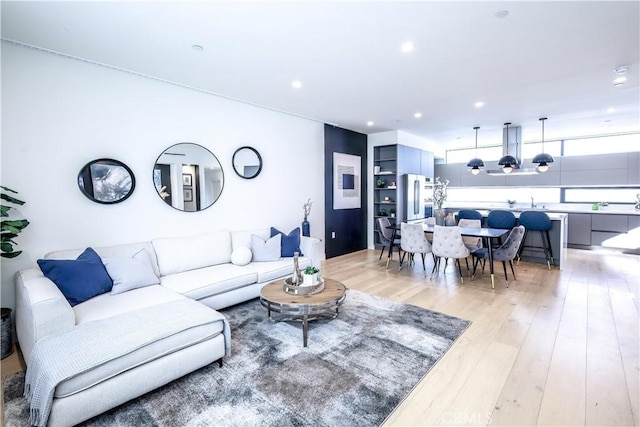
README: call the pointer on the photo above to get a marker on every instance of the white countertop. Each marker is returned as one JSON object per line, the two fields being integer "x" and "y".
{"x": 565, "y": 208}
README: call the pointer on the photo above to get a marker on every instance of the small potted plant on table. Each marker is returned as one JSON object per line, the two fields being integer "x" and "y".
{"x": 310, "y": 276}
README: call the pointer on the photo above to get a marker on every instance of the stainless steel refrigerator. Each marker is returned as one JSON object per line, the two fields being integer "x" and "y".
{"x": 415, "y": 196}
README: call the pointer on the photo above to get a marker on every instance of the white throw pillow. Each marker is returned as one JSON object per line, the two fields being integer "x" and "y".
{"x": 266, "y": 251}
{"x": 241, "y": 256}
{"x": 130, "y": 273}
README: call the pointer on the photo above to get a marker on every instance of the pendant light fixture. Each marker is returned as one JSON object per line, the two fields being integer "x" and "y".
{"x": 508, "y": 162}
{"x": 543, "y": 159}
{"x": 476, "y": 163}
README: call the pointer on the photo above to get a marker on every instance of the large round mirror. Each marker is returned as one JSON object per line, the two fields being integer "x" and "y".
{"x": 106, "y": 181}
{"x": 188, "y": 177}
{"x": 247, "y": 162}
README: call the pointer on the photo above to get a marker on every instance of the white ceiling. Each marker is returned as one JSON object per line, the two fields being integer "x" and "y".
{"x": 553, "y": 59}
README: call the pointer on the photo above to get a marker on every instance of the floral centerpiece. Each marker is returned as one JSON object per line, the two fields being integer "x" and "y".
{"x": 439, "y": 192}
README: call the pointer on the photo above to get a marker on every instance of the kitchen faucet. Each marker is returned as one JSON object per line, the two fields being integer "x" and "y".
{"x": 533, "y": 205}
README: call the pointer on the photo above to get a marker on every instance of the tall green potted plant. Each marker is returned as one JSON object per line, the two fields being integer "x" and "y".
{"x": 10, "y": 226}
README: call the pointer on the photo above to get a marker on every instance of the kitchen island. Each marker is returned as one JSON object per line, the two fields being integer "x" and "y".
{"x": 558, "y": 235}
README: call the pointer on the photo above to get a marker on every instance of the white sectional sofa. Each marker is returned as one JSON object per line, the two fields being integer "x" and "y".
{"x": 196, "y": 270}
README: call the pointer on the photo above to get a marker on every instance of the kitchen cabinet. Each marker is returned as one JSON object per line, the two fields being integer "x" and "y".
{"x": 579, "y": 232}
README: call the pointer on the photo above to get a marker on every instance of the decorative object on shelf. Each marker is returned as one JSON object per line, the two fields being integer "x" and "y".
{"x": 306, "y": 227}
{"x": 508, "y": 163}
{"x": 310, "y": 276}
{"x": 106, "y": 181}
{"x": 381, "y": 182}
{"x": 512, "y": 203}
{"x": 392, "y": 186}
{"x": 376, "y": 170}
{"x": 475, "y": 164}
{"x": 637, "y": 205}
{"x": 247, "y": 162}
{"x": 12, "y": 222}
{"x": 543, "y": 159}
{"x": 392, "y": 213}
{"x": 382, "y": 213}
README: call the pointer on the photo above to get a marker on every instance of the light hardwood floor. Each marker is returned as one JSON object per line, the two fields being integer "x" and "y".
{"x": 556, "y": 348}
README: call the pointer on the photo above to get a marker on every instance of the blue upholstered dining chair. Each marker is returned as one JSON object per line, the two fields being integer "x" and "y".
{"x": 506, "y": 252}
{"x": 470, "y": 214}
{"x": 537, "y": 221}
{"x": 505, "y": 220}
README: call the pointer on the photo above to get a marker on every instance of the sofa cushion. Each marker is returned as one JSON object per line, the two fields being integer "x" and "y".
{"x": 122, "y": 250}
{"x": 242, "y": 238}
{"x": 107, "y": 305}
{"x": 290, "y": 243}
{"x": 79, "y": 279}
{"x": 241, "y": 256}
{"x": 266, "y": 251}
{"x": 130, "y": 273}
{"x": 208, "y": 281}
{"x": 269, "y": 271}
{"x": 178, "y": 254}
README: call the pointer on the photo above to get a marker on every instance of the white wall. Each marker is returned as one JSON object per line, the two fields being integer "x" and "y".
{"x": 60, "y": 113}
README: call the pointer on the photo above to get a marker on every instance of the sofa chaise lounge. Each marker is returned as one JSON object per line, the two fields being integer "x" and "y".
{"x": 195, "y": 274}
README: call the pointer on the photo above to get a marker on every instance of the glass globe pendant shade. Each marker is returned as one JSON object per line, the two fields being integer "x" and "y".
{"x": 507, "y": 162}
{"x": 475, "y": 164}
{"x": 543, "y": 159}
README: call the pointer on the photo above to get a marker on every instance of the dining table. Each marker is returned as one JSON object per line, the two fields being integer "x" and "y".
{"x": 485, "y": 233}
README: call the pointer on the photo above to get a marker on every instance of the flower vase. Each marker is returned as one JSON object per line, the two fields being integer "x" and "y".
{"x": 439, "y": 214}
{"x": 306, "y": 228}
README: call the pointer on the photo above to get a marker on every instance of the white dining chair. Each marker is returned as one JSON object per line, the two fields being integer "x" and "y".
{"x": 429, "y": 221}
{"x": 413, "y": 241}
{"x": 448, "y": 243}
{"x": 472, "y": 243}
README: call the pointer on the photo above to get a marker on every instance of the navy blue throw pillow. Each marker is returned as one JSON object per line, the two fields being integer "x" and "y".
{"x": 290, "y": 242}
{"x": 80, "y": 279}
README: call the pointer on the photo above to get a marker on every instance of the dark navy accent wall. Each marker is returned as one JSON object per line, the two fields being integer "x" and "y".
{"x": 349, "y": 225}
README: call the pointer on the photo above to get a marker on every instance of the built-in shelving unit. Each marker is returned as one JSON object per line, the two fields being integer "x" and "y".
{"x": 385, "y": 199}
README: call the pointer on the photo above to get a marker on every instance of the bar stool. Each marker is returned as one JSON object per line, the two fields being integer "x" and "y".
{"x": 505, "y": 220}
{"x": 537, "y": 221}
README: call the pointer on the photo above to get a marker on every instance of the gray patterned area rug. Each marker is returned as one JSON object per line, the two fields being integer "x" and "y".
{"x": 355, "y": 371}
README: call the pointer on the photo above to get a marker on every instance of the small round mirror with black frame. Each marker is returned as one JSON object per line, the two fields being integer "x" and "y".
{"x": 188, "y": 177}
{"x": 106, "y": 181}
{"x": 247, "y": 162}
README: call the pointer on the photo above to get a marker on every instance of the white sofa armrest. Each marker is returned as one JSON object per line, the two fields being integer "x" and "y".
{"x": 41, "y": 309}
{"x": 311, "y": 247}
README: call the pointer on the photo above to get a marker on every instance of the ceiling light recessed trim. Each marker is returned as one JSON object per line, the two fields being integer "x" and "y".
{"x": 623, "y": 69}
{"x": 407, "y": 47}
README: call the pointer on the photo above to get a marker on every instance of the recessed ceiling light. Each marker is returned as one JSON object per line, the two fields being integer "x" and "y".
{"x": 369, "y": 123}
{"x": 623, "y": 69}
{"x": 611, "y": 110}
{"x": 296, "y": 84}
{"x": 479, "y": 104}
{"x": 197, "y": 47}
{"x": 620, "y": 79}
{"x": 501, "y": 13}
{"x": 407, "y": 47}
{"x": 417, "y": 115}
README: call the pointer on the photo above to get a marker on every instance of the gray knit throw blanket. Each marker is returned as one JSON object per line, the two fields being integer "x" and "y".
{"x": 62, "y": 355}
